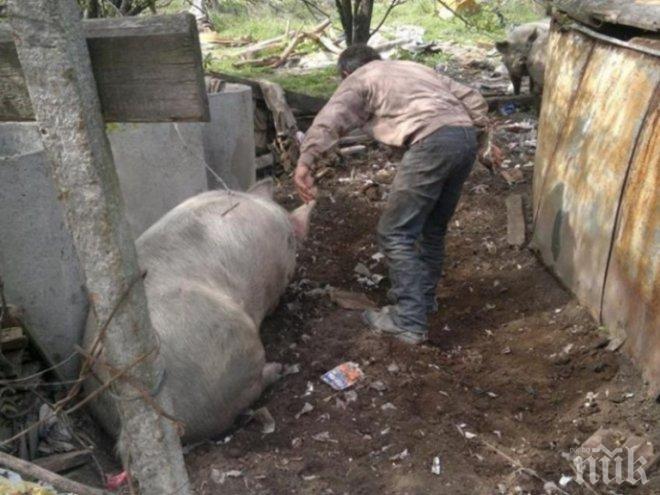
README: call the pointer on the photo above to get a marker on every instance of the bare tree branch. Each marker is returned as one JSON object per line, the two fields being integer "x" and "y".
{"x": 395, "y": 3}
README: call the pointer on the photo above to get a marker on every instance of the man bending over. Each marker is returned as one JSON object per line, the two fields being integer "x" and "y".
{"x": 437, "y": 121}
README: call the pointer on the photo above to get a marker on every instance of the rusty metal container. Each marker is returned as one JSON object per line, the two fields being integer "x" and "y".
{"x": 597, "y": 183}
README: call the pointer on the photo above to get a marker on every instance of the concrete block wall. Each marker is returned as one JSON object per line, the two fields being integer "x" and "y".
{"x": 158, "y": 165}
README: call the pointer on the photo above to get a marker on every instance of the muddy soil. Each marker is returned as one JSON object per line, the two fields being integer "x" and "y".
{"x": 516, "y": 375}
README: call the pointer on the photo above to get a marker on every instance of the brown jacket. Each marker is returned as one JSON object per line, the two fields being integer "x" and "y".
{"x": 397, "y": 102}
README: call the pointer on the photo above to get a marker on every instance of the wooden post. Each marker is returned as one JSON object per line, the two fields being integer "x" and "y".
{"x": 57, "y": 69}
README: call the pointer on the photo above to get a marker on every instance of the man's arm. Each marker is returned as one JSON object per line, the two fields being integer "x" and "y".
{"x": 346, "y": 110}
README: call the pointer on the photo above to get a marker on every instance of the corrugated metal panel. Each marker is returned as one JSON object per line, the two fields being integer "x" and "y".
{"x": 598, "y": 137}
{"x": 632, "y": 288}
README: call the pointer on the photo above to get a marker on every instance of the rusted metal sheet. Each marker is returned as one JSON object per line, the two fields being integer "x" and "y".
{"x": 642, "y": 14}
{"x": 632, "y": 288}
{"x": 595, "y": 198}
{"x": 568, "y": 54}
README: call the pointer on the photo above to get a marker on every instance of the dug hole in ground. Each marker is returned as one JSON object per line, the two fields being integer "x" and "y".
{"x": 516, "y": 377}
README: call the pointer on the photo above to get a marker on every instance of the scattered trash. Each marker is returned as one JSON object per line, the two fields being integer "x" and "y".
{"x": 115, "y": 481}
{"x": 436, "y": 466}
{"x": 296, "y": 443}
{"x": 263, "y": 416}
{"x": 404, "y": 454}
{"x": 343, "y": 376}
{"x": 508, "y": 108}
{"x": 309, "y": 389}
{"x": 361, "y": 269}
{"x": 461, "y": 429}
{"x": 551, "y": 488}
{"x": 291, "y": 369}
{"x": 393, "y": 368}
{"x": 219, "y": 477}
{"x": 307, "y": 408}
{"x": 351, "y": 396}
{"x": 388, "y": 406}
{"x": 378, "y": 386}
{"x": 55, "y": 431}
{"x": 512, "y": 175}
{"x": 351, "y": 300}
{"x": 378, "y": 256}
{"x": 324, "y": 437}
{"x": 506, "y": 350}
{"x": 565, "y": 480}
{"x": 12, "y": 483}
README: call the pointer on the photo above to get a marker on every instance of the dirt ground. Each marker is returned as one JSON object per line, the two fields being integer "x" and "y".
{"x": 516, "y": 373}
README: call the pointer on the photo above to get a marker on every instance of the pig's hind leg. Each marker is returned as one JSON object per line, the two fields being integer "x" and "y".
{"x": 271, "y": 373}
{"x": 214, "y": 356}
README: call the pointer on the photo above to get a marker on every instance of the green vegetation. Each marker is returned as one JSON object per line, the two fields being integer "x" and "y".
{"x": 260, "y": 21}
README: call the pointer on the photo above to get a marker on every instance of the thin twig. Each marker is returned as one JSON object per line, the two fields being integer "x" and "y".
{"x": 395, "y": 3}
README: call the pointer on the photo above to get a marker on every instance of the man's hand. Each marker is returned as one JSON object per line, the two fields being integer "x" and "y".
{"x": 489, "y": 155}
{"x": 304, "y": 182}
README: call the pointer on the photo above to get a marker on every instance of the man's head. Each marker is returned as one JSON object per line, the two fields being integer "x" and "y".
{"x": 354, "y": 57}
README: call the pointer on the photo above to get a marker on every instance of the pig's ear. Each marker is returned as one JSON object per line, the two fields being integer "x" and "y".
{"x": 263, "y": 188}
{"x": 300, "y": 220}
{"x": 502, "y": 46}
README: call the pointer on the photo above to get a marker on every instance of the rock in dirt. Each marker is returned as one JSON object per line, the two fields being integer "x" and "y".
{"x": 265, "y": 419}
{"x": 351, "y": 300}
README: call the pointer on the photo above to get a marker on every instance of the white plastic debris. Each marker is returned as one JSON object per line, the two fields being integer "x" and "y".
{"x": 436, "y": 466}
{"x": 291, "y": 369}
{"x": 307, "y": 408}
{"x": 565, "y": 480}
{"x": 393, "y": 368}
{"x": 309, "y": 389}
{"x": 324, "y": 437}
{"x": 378, "y": 385}
{"x": 388, "y": 406}
{"x": 404, "y": 454}
{"x": 219, "y": 477}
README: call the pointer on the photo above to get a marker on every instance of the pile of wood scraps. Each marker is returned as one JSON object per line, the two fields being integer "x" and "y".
{"x": 288, "y": 42}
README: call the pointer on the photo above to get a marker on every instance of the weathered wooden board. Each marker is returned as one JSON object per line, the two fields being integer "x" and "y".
{"x": 643, "y": 14}
{"x": 147, "y": 69}
{"x": 632, "y": 288}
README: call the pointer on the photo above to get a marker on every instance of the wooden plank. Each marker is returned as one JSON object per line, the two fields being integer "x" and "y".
{"x": 515, "y": 220}
{"x": 12, "y": 338}
{"x": 58, "y": 463}
{"x": 147, "y": 69}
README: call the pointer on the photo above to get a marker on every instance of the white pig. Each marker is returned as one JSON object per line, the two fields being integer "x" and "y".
{"x": 216, "y": 265}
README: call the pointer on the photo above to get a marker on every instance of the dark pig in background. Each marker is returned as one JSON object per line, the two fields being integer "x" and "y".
{"x": 523, "y": 54}
{"x": 216, "y": 265}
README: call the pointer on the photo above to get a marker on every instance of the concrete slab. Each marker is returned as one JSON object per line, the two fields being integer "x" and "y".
{"x": 229, "y": 137}
{"x": 37, "y": 260}
{"x": 159, "y": 166}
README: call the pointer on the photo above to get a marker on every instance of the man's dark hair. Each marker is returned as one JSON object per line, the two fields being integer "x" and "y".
{"x": 356, "y": 56}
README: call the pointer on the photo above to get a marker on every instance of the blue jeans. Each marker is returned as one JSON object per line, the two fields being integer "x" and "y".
{"x": 411, "y": 230}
